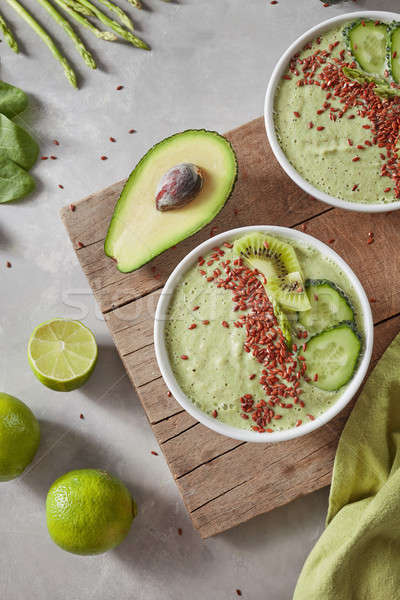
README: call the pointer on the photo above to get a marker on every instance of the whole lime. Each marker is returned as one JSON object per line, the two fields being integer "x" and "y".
{"x": 19, "y": 437}
{"x": 89, "y": 511}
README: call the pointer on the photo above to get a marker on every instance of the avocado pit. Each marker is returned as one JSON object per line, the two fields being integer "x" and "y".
{"x": 178, "y": 186}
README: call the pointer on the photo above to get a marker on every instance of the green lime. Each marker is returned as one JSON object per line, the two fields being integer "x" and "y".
{"x": 89, "y": 511}
{"x": 19, "y": 437}
{"x": 62, "y": 354}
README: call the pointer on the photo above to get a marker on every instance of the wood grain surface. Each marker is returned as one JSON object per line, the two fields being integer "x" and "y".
{"x": 225, "y": 482}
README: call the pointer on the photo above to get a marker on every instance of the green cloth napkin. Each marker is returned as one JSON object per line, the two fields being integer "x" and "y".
{"x": 358, "y": 555}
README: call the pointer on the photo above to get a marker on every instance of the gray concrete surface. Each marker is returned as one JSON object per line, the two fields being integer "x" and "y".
{"x": 209, "y": 67}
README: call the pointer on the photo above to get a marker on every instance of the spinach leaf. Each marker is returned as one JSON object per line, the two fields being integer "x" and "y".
{"x": 15, "y": 182}
{"x": 17, "y": 144}
{"x": 12, "y": 100}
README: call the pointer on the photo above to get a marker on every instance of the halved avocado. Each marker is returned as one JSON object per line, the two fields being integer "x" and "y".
{"x": 138, "y": 231}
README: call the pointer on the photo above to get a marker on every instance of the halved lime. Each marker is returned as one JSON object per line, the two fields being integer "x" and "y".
{"x": 62, "y": 354}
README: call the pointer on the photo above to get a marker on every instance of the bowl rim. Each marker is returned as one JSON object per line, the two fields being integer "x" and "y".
{"x": 162, "y": 355}
{"x": 277, "y": 73}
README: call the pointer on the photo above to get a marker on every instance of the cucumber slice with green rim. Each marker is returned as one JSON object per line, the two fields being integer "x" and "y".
{"x": 367, "y": 42}
{"x": 393, "y": 51}
{"x": 329, "y": 306}
{"x": 283, "y": 323}
{"x": 332, "y": 356}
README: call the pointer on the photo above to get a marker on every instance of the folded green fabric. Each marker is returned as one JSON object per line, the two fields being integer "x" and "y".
{"x": 358, "y": 555}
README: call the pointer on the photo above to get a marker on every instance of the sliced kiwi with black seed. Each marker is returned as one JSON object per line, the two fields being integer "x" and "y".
{"x": 278, "y": 262}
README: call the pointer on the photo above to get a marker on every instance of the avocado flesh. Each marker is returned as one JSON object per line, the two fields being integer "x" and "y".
{"x": 138, "y": 231}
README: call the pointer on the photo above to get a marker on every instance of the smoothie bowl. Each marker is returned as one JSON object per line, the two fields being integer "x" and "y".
{"x": 332, "y": 111}
{"x": 263, "y": 333}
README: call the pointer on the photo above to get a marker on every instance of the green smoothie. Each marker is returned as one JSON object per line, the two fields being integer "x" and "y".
{"x": 335, "y": 153}
{"x": 206, "y": 350}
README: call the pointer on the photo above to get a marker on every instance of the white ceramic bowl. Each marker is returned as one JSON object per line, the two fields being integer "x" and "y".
{"x": 277, "y": 73}
{"x": 186, "y": 403}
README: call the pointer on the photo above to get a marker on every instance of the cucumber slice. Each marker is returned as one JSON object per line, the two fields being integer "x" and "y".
{"x": 332, "y": 356}
{"x": 329, "y": 306}
{"x": 393, "y": 51}
{"x": 367, "y": 41}
{"x": 283, "y": 322}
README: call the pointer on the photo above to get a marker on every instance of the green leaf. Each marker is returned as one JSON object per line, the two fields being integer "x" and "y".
{"x": 12, "y": 100}
{"x": 17, "y": 144}
{"x": 15, "y": 182}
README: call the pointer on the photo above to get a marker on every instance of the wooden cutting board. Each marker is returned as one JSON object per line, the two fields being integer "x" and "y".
{"x": 225, "y": 482}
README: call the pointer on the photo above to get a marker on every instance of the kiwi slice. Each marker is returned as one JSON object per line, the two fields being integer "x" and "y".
{"x": 278, "y": 262}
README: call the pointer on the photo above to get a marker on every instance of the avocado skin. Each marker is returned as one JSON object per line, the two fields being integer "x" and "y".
{"x": 127, "y": 186}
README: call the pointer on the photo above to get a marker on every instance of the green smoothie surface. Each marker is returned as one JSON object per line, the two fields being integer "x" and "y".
{"x": 206, "y": 350}
{"x": 337, "y": 152}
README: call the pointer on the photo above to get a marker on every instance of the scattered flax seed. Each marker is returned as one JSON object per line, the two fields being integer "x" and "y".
{"x": 60, "y": 186}
{"x": 154, "y": 453}
{"x": 235, "y": 212}
{"x": 225, "y": 324}
{"x": 303, "y": 227}
{"x": 196, "y": 307}
{"x": 206, "y": 322}
{"x": 354, "y": 188}
{"x": 72, "y": 207}
{"x": 320, "y": 128}
{"x": 372, "y": 300}
{"x": 112, "y": 139}
{"x": 214, "y": 414}
{"x": 192, "y": 326}
{"x": 180, "y": 531}
{"x": 44, "y": 157}
{"x": 132, "y": 131}
{"x": 394, "y": 54}
{"x": 349, "y": 141}
{"x": 80, "y": 245}
{"x": 386, "y": 190}
{"x": 8, "y": 265}
{"x": 239, "y": 592}
{"x": 169, "y": 394}
{"x": 81, "y": 416}
{"x": 316, "y": 377}
{"x": 296, "y": 114}
{"x": 103, "y": 157}
{"x": 56, "y": 142}
{"x": 299, "y": 422}
{"x": 331, "y": 241}
{"x": 119, "y": 87}
{"x": 184, "y": 357}
{"x": 310, "y": 125}
{"x": 355, "y": 158}
{"x": 311, "y": 417}
{"x": 252, "y": 376}
{"x": 274, "y": 2}
{"x": 53, "y": 157}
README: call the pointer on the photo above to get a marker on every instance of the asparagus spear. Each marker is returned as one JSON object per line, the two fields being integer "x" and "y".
{"x": 109, "y": 36}
{"x": 84, "y": 52}
{"x": 42, "y": 33}
{"x": 79, "y": 8}
{"x": 127, "y": 35}
{"x": 123, "y": 17}
{"x": 136, "y": 3}
{"x": 8, "y": 35}
{"x": 102, "y": 35}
